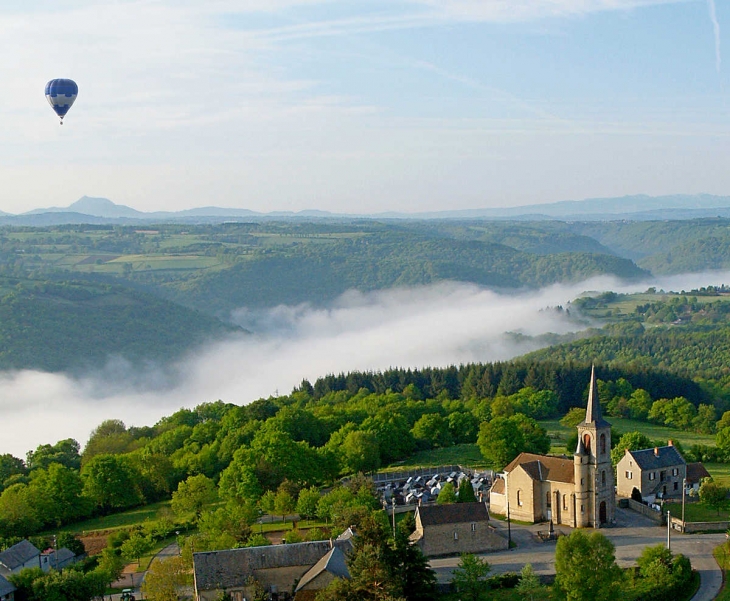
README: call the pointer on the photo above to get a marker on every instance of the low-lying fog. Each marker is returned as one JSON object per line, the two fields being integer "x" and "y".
{"x": 439, "y": 325}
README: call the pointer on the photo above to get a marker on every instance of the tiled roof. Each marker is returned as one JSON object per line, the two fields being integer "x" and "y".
{"x": 17, "y": 555}
{"x": 544, "y": 467}
{"x": 230, "y": 568}
{"x": 5, "y": 587}
{"x": 696, "y": 472}
{"x": 452, "y": 513}
{"x": 660, "y": 457}
{"x": 333, "y": 562}
{"x": 498, "y": 486}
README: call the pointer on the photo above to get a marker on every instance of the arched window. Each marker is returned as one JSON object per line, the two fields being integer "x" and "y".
{"x": 587, "y": 442}
{"x": 519, "y": 498}
{"x": 603, "y": 444}
{"x": 603, "y": 477}
{"x": 565, "y": 502}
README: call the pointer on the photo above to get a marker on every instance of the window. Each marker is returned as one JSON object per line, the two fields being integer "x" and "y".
{"x": 652, "y": 475}
{"x": 473, "y": 527}
{"x": 676, "y": 486}
{"x": 587, "y": 442}
{"x": 603, "y": 444}
{"x": 662, "y": 476}
{"x": 675, "y": 471}
{"x": 629, "y": 475}
{"x": 603, "y": 477}
{"x": 519, "y": 498}
{"x": 582, "y": 509}
{"x": 548, "y": 500}
{"x": 456, "y": 535}
{"x": 565, "y": 502}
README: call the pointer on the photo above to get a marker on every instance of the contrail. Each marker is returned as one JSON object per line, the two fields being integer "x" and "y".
{"x": 716, "y": 27}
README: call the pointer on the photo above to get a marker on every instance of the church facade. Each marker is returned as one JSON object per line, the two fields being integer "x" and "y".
{"x": 577, "y": 492}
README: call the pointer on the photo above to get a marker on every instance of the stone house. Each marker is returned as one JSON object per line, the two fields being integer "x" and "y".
{"x": 455, "y": 528}
{"x": 57, "y": 559}
{"x": 655, "y": 473}
{"x": 18, "y": 557}
{"x": 7, "y": 590}
{"x": 331, "y": 566}
{"x": 577, "y": 492}
{"x": 280, "y": 569}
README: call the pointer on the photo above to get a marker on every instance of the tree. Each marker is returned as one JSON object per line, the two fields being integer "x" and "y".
{"x": 111, "y": 483}
{"x": 10, "y": 466}
{"x": 360, "y": 452}
{"x": 529, "y": 586}
{"x": 469, "y": 578}
{"x": 466, "y": 492}
{"x": 307, "y": 502}
{"x": 503, "y": 438}
{"x": 633, "y": 441}
{"x": 284, "y": 502}
{"x": 713, "y": 495}
{"x": 239, "y": 483}
{"x": 193, "y": 495}
{"x": 585, "y": 567}
{"x": 432, "y": 430}
{"x": 136, "y": 546}
{"x": 164, "y": 578}
{"x": 447, "y": 494}
{"x": 575, "y": 416}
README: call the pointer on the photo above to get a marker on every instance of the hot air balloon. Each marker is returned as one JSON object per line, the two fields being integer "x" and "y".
{"x": 61, "y": 94}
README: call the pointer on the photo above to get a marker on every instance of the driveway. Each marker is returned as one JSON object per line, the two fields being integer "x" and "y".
{"x": 632, "y": 533}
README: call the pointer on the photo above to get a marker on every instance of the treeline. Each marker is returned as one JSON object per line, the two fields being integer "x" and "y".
{"x": 340, "y": 425}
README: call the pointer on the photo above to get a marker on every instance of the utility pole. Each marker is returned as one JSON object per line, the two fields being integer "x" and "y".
{"x": 393, "y": 517}
{"x": 684, "y": 494}
{"x": 669, "y": 531}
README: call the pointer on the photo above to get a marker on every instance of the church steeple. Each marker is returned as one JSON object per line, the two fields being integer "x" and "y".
{"x": 593, "y": 411}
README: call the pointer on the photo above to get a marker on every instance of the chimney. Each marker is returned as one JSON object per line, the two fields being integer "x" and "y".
{"x": 670, "y": 443}
{"x": 656, "y": 451}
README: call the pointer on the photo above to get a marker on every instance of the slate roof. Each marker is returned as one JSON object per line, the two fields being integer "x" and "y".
{"x": 5, "y": 587}
{"x": 661, "y": 457}
{"x": 230, "y": 568}
{"x": 18, "y": 554}
{"x": 544, "y": 468}
{"x": 696, "y": 472}
{"x": 333, "y": 562}
{"x": 452, "y": 513}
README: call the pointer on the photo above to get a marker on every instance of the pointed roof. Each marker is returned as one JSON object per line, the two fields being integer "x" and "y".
{"x": 5, "y": 587}
{"x": 334, "y": 563}
{"x": 593, "y": 411}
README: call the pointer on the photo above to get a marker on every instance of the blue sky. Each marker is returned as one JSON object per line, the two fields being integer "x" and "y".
{"x": 363, "y": 106}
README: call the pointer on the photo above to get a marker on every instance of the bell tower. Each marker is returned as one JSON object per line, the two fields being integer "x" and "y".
{"x": 595, "y": 491}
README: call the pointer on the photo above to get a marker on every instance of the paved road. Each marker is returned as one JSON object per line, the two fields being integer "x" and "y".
{"x": 630, "y": 536}
{"x": 134, "y": 580}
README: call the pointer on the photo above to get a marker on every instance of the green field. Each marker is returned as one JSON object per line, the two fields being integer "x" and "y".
{"x": 135, "y": 516}
{"x": 461, "y": 454}
{"x": 697, "y": 512}
{"x": 559, "y": 433}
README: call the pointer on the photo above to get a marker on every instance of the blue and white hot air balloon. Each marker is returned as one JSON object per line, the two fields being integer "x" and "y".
{"x": 61, "y": 94}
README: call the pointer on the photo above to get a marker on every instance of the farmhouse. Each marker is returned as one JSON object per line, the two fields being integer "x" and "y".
{"x": 653, "y": 473}
{"x": 577, "y": 492}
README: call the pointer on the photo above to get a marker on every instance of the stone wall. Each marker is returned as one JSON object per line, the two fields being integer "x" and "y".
{"x": 451, "y": 539}
{"x": 646, "y": 510}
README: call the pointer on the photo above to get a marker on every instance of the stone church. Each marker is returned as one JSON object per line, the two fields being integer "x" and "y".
{"x": 577, "y": 492}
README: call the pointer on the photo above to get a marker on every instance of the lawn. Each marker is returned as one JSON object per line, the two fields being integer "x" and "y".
{"x": 132, "y": 517}
{"x": 722, "y": 555}
{"x": 559, "y": 433}
{"x": 720, "y": 472}
{"x": 460, "y": 454}
{"x": 697, "y": 512}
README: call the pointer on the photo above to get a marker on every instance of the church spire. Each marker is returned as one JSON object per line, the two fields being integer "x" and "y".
{"x": 593, "y": 411}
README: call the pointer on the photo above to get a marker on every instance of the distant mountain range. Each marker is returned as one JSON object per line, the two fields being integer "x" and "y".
{"x": 636, "y": 208}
